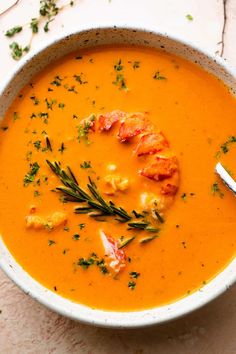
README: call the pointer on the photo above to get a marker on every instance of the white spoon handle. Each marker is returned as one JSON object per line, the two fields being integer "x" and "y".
{"x": 226, "y": 178}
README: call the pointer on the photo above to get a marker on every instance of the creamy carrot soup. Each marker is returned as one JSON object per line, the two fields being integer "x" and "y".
{"x": 107, "y": 183}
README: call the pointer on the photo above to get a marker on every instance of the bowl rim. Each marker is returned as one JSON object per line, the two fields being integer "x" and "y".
{"x": 102, "y": 318}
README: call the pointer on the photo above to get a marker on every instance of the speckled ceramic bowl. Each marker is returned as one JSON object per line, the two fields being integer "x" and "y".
{"x": 28, "y": 67}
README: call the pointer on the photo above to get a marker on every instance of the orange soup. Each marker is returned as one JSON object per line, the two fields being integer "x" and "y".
{"x": 108, "y": 191}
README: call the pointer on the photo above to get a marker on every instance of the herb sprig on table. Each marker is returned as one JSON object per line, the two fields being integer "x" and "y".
{"x": 48, "y": 10}
{"x": 92, "y": 202}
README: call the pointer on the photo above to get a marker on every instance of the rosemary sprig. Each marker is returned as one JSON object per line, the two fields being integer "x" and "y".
{"x": 159, "y": 217}
{"x": 147, "y": 239}
{"x": 48, "y": 143}
{"x": 142, "y": 225}
{"x": 124, "y": 241}
{"x": 93, "y": 204}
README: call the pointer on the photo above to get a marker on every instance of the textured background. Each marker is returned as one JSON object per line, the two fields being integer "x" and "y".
{"x": 27, "y": 327}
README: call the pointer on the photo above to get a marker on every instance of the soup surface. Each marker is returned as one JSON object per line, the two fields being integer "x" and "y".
{"x": 108, "y": 191}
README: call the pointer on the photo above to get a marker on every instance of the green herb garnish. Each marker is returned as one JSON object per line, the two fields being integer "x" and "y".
{"x": 131, "y": 285}
{"x": 124, "y": 241}
{"x": 136, "y": 64}
{"x": 158, "y": 76}
{"x": 147, "y": 239}
{"x": 11, "y": 32}
{"x": 62, "y": 148}
{"x": 159, "y": 217}
{"x": 34, "y": 25}
{"x": 35, "y": 100}
{"x": 85, "y": 263}
{"x": 86, "y": 164}
{"x": 30, "y": 176}
{"x": 118, "y": 66}
{"x": 17, "y": 51}
{"x": 120, "y": 82}
{"x": 57, "y": 81}
{"x": 48, "y": 144}
{"x": 134, "y": 275}
{"x": 226, "y": 146}
{"x": 189, "y": 17}
{"x": 15, "y": 116}
{"x": 84, "y": 128}
{"x": 92, "y": 202}
{"x": 215, "y": 189}
{"x": 76, "y": 237}
{"x": 79, "y": 79}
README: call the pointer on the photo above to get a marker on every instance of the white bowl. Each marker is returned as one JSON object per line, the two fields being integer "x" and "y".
{"x": 28, "y": 67}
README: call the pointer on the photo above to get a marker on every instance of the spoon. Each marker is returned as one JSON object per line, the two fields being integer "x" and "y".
{"x": 226, "y": 178}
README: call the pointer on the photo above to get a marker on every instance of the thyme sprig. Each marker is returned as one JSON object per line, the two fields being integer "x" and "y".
{"x": 92, "y": 203}
{"x": 48, "y": 10}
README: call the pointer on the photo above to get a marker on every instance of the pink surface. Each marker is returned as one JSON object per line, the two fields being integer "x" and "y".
{"x": 28, "y": 327}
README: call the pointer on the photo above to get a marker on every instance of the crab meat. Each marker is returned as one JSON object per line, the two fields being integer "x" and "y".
{"x": 151, "y": 143}
{"x": 160, "y": 168}
{"x": 116, "y": 258}
{"x": 132, "y": 126}
{"x": 51, "y": 222}
{"x": 169, "y": 188}
{"x": 116, "y": 183}
{"x": 108, "y": 120}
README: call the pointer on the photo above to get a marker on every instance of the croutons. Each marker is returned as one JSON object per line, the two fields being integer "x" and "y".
{"x": 116, "y": 183}
{"x": 50, "y": 222}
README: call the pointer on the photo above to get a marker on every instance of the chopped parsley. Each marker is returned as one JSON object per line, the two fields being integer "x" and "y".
{"x": 93, "y": 260}
{"x": 136, "y": 64}
{"x": 226, "y": 146}
{"x": 215, "y": 189}
{"x": 15, "y": 116}
{"x": 189, "y": 17}
{"x": 57, "y": 81}
{"x": 134, "y": 275}
{"x": 118, "y": 66}
{"x": 81, "y": 226}
{"x": 30, "y": 176}
{"x": 35, "y": 100}
{"x": 120, "y": 82}
{"x": 83, "y": 129}
{"x": 85, "y": 263}
{"x": 184, "y": 197}
{"x": 86, "y": 164}
{"x": 70, "y": 88}
{"x": 79, "y": 79}
{"x": 50, "y": 103}
{"x": 51, "y": 242}
{"x": 76, "y": 237}
{"x": 37, "y": 144}
{"x": 158, "y": 76}
{"x": 131, "y": 285}
{"x": 36, "y": 194}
